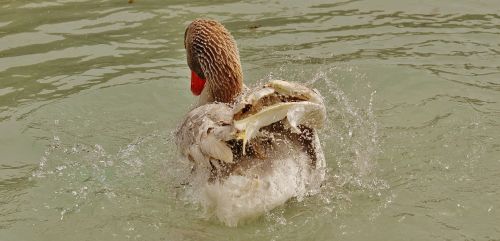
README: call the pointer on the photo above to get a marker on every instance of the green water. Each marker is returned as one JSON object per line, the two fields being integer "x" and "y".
{"x": 90, "y": 92}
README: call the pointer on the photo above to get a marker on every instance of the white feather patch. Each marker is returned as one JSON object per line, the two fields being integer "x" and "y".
{"x": 216, "y": 148}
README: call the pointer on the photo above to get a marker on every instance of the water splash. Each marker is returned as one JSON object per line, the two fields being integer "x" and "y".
{"x": 78, "y": 176}
{"x": 350, "y": 141}
{"x": 351, "y": 136}
{"x": 82, "y": 175}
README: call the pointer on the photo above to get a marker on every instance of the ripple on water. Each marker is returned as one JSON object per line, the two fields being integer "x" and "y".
{"x": 84, "y": 177}
{"x": 422, "y": 162}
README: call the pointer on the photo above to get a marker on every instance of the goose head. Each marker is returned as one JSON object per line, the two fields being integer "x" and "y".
{"x": 214, "y": 61}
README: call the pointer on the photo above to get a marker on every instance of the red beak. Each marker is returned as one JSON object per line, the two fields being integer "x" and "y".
{"x": 197, "y": 84}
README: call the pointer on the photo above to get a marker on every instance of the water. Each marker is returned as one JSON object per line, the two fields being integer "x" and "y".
{"x": 90, "y": 92}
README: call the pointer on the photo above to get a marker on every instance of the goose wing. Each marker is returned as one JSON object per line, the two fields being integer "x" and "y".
{"x": 202, "y": 135}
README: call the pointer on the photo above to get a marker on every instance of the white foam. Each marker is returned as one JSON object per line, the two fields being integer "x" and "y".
{"x": 261, "y": 189}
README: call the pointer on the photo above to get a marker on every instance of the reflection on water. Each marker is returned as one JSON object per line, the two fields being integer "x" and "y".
{"x": 90, "y": 92}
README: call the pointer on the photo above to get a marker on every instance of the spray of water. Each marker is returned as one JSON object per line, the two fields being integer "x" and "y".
{"x": 350, "y": 141}
{"x": 80, "y": 174}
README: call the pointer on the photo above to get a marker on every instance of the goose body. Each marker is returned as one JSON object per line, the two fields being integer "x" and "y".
{"x": 251, "y": 149}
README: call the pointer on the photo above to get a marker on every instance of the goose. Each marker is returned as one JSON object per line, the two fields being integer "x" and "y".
{"x": 251, "y": 149}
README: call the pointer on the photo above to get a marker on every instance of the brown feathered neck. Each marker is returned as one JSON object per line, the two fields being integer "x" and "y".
{"x": 213, "y": 55}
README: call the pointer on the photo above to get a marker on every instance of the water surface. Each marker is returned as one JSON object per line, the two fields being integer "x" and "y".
{"x": 90, "y": 92}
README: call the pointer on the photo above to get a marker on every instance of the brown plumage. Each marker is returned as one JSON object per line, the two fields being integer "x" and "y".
{"x": 251, "y": 150}
{"x": 213, "y": 55}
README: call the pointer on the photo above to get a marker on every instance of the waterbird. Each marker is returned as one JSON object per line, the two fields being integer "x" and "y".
{"x": 251, "y": 149}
